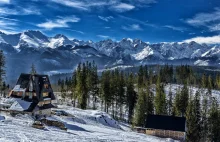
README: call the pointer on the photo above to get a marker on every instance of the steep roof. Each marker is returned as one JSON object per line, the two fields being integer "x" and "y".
{"x": 166, "y": 122}
{"x": 39, "y": 81}
{"x": 23, "y": 80}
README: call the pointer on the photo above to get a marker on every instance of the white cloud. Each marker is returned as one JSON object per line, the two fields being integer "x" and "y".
{"x": 122, "y": 7}
{"x": 8, "y": 26}
{"x": 181, "y": 29}
{"x": 19, "y": 11}
{"x": 59, "y": 23}
{"x": 74, "y": 4}
{"x": 115, "y": 5}
{"x": 76, "y": 31}
{"x": 103, "y": 36}
{"x": 207, "y": 40}
{"x": 4, "y": 1}
{"x": 106, "y": 18}
{"x": 133, "y": 27}
{"x": 209, "y": 20}
{"x": 138, "y": 21}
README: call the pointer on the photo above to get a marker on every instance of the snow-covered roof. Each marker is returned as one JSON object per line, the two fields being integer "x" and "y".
{"x": 20, "y": 105}
{"x": 18, "y": 88}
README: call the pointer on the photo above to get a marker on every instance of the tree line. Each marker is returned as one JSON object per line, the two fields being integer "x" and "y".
{"x": 142, "y": 93}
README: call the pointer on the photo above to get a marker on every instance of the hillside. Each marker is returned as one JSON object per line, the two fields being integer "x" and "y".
{"x": 82, "y": 125}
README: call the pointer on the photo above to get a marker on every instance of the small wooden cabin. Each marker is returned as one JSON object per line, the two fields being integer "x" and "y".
{"x": 33, "y": 93}
{"x": 166, "y": 126}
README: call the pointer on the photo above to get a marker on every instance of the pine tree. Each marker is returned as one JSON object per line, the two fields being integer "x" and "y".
{"x": 73, "y": 88}
{"x": 2, "y": 69}
{"x": 81, "y": 86}
{"x": 33, "y": 69}
{"x": 94, "y": 87}
{"x": 204, "y": 118}
{"x": 140, "y": 109}
{"x": 170, "y": 102}
{"x": 160, "y": 98}
{"x": 121, "y": 93}
{"x": 191, "y": 136}
{"x": 140, "y": 77}
{"x": 214, "y": 121}
{"x": 193, "y": 116}
{"x": 217, "y": 81}
{"x": 184, "y": 97}
{"x": 210, "y": 86}
{"x": 105, "y": 89}
{"x": 84, "y": 97}
{"x": 131, "y": 97}
{"x": 150, "y": 100}
{"x": 176, "y": 109}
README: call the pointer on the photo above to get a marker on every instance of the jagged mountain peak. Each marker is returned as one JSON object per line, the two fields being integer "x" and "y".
{"x": 60, "y": 36}
{"x": 135, "y": 50}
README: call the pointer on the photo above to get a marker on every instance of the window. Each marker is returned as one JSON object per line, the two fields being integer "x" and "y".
{"x": 45, "y": 94}
{"x": 46, "y": 86}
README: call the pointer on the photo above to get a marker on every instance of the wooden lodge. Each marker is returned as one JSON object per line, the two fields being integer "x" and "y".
{"x": 33, "y": 94}
{"x": 165, "y": 127}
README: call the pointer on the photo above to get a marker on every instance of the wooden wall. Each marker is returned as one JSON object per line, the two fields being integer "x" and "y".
{"x": 166, "y": 134}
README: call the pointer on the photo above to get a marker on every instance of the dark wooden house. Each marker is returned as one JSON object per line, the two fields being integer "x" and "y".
{"x": 33, "y": 93}
{"x": 166, "y": 126}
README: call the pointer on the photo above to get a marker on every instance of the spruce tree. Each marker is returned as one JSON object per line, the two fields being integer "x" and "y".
{"x": 95, "y": 81}
{"x": 73, "y": 88}
{"x": 191, "y": 136}
{"x": 105, "y": 89}
{"x": 84, "y": 97}
{"x": 121, "y": 93}
{"x": 140, "y": 77}
{"x": 33, "y": 70}
{"x": 131, "y": 97}
{"x": 214, "y": 121}
{"x": 160, "y": 98}
{"x": 140, "y": 109}
{"x": 170, "y": 102}
{"x": 204, "y": 118}
{"x": 210, "y": 86}
{"x": 176, "y": 108}
{"x": 150, "y": 100}
{"x": 184, "y": 97}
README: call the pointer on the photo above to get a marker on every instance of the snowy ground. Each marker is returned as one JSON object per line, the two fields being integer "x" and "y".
{"x": 174, "y": 88}
{"x": 82, "y": 125}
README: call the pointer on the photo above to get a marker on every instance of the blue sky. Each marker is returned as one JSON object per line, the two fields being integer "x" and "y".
{"x": 149, "y": 20}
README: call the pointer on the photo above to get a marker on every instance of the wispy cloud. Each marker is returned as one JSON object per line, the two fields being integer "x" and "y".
{"x": 106, "y": 18}
{"x": 206, "y": 40}
{"x": 19, "y": 11}
{"x": 209, "y": 20}
{"x": 75, "y": 31}
{"x": 103, "y": 36}
{"x": 122, "y": 7}
{"x": 74, "y": 4}
{"x": 114, "y": 5}
{"x": 61, "y": 22}
{"x": 8, "y": 26}
{"x": 133, "y": 27}
{"x": 145, "y": 23}
{"x": 180, "y": 29}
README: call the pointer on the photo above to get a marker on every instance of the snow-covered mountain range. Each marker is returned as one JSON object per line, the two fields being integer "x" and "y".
{"x": 60, "y": 52}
